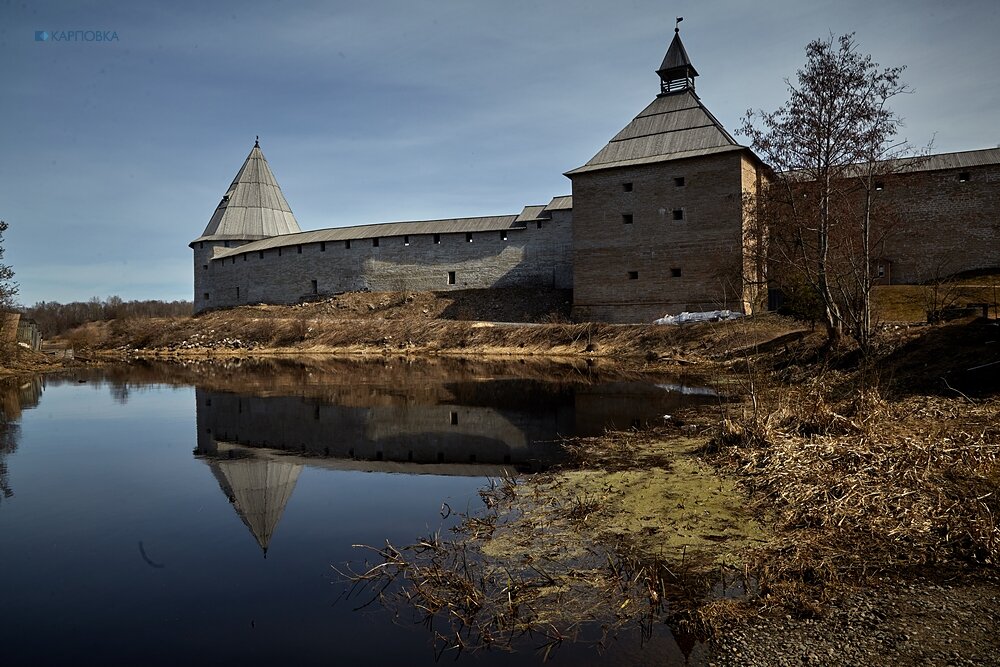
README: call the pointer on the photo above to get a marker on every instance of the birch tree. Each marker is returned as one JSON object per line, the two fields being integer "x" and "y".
{"x": 830, "y": 144}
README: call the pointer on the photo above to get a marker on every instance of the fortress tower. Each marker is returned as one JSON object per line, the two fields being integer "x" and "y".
{"x": 253, "y": 208}
{"x": 658, "y": 213}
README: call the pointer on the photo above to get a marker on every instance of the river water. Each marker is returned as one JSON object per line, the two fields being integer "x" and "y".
{"x": 165, "y": 514}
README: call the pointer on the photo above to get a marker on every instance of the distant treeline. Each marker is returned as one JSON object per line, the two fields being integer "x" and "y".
{"x": 55, "y": 318}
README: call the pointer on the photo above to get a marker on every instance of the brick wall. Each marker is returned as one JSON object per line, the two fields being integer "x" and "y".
{"x": 628, "y": 271}
{"x": 624, "y": 271}
{"x": 944, "y": 225}
{"x": 926, "y": 225}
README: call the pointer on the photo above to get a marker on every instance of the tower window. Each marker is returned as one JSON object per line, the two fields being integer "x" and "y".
{"x": 633, "y": 275}
{"x": 451, "y": 277}
{"x": 322, "y": 246}
{"x": 347, "y": 244}
{"x": 206, "y": 296}
{"x": 539, "y": 224}
{"x": 454, "y": 418}
{"x": 675, "y": 273}
{"x": 468, "y": 237}
{"x": 437, "y": 239}
{"x": 201, "y": 245}
{"x": 315, "y": 287}
{"x": 234, "y": 259}
{"x": 375, "y": 242}
{"x": 879, "y": 185}
{"x": 406, "y": 240}
{"x": 298, "y": 249}
{"x": 627, "y": 218}
{"x": 964, "y": 177}
{"x": 205, "y": 266}
{"x": 279, "y": 252}
{"x": 678, "y": 214}
{"x": 244, "y": 257}
{"x": 225, "y": 244}
{"x": 261, "y": 254}
{"x": 627, "y": 187}
{"x": 679, "y": 181}
{"x": 237, "y": 292}
{"x": 503, "y": 236}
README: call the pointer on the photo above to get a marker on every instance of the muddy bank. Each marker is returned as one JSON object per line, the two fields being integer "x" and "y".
{"x": 944, "y": 620}
{"x": 22, "y": 362}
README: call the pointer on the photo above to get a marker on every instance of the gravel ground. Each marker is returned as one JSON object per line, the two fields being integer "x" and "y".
{"x": 890, "y": 623}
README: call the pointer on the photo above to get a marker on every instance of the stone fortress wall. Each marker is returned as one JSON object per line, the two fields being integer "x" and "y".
{"x": 537, "y": 253}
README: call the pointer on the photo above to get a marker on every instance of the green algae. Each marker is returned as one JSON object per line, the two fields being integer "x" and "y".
{"x": 679, "y": 510}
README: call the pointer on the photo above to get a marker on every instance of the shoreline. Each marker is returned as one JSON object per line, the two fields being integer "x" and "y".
{"x": 829, "y": 579}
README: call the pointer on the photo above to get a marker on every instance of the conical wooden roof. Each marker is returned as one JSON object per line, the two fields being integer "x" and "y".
{"x": 253, "y": 206}
{"x": 259, "y": 490}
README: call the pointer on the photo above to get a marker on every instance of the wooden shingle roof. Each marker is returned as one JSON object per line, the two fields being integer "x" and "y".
{"x": 382, "y": 230}
{"x": 672, "y": 127}
{"x": 253, "y": 206}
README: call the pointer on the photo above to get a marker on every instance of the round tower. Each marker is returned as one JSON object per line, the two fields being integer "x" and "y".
{"x": 253, "y": 208}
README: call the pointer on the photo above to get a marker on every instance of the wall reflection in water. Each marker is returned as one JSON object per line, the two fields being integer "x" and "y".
{"x": 405, "y": 418}
{"x": 260, "y": 421}
{"x": 395, "y": 423}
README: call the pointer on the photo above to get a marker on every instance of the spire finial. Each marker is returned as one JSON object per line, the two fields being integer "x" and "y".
{"x": 677, "y": 24}
{"x": 256, "y": 143}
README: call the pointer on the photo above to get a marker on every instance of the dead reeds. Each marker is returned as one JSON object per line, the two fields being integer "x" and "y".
{"x": 867, "y": 486}
{"x": 537, "y": 589}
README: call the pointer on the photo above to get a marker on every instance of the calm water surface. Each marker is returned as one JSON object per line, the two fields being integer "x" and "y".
{"x": 159, "y": 514}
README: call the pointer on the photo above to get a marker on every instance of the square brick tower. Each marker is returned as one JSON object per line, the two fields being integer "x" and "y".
{"x": 661, "y": 220}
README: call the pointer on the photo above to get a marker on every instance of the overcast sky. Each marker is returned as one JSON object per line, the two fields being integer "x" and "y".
{"x": 113, "y": 155}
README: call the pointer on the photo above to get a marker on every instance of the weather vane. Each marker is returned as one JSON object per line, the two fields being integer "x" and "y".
{"x": 678, "y": 23}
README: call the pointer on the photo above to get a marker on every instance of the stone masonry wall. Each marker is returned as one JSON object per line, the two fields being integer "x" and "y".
{"x": 628, "y": 271}
{"x": 536, "y": 255}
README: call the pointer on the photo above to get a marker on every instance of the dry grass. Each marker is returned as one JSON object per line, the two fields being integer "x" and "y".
{"x": 864, "y": 486}
{"x": 20, "y": 361}
{"x": 312, "y": 328}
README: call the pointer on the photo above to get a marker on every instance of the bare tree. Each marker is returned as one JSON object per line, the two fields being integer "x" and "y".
{"x": 829, "y": 144}
{"x": 8, "y": 288}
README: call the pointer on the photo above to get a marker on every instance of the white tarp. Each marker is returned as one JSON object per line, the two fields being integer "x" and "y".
{"x": 707, "y": 316}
